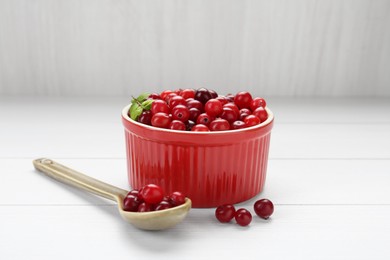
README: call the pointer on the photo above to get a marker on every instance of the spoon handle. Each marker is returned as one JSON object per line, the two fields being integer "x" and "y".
{"x": 79, "y": 180}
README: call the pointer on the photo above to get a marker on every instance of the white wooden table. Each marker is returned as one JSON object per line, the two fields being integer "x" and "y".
{"x": 328, "y": 175}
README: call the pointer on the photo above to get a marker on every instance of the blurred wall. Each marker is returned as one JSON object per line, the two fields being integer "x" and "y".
{"x": 124, "y": 47}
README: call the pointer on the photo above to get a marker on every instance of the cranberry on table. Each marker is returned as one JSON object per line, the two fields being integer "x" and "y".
{"x": 225, "y": 213}
{"x": 264, "y": 208}
{"x": 243, "y": 217}
{"x": 243, "y": 99}
{"x": 161, "y": 120}
{"x": 152, "y": 194}
{"x": 177, "y": 125}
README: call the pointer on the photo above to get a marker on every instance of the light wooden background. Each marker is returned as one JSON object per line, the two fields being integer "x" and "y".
{"x": 122, "y": 47}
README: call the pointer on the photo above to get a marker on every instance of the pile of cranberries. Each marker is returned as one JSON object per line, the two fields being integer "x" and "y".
{"x": 202, "y": 110}
{"x": 225, "y": 213}
{"x": 150, "y": 198}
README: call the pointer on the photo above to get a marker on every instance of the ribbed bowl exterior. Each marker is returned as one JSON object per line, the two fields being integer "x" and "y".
{"x": 211, "y": 168}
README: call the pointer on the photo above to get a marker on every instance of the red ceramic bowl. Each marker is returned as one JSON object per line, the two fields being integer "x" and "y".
{"x": 211, "y": 168}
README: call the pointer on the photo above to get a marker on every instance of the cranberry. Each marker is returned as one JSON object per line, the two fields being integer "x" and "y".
{"x": 187, "y": 93}
{"x": 177, "y": 125}
{"x": 145, "y": 117}
{"x": 160, "y": 106}
{"x": 204, "y": 119}
{"x": 165, "y": 93}
{"x": 177, "y": 198}
{"x": 131, "y": 202}
{"x": 229, "y": 114}
{"x": 264, "y": 208}
{"x": 245, "y": 111}
{"x": 194, "y": 113}
{"x": 213, "y": 93}
{"x": 200, "y": 128}
{"x": 222, "y": 99}
{"x": 161, "y": 120}
{"x": 238, "y": 125}
{"x": 230, "y": 97}
{"x": 180, "y": 112}
{"x": 144, "y": 207}
{"x": 163, "y": 205}
{"x": 154, "y": 96}
{"x": 243, "y": 217}
{"x": 219, "y": 125}
{"x": 194, "y": 104}
{"x": 169, "y": 96}
{"x": 177, "y": 100}
{"x": 251, "y": 120}
{"x": 243, "y": 116}
{"x": 257, "y": 102}
{"x": 261, "y": 113}
{"x": 203, "y": 95}
{"x": 225, "y": 213}
{"x": 213, "y": 107}
{"x": 243, "y": 99}
{"x": 152, "y": 194}
{"x": 233, "y": 107}
{"x": 189, "y": 125}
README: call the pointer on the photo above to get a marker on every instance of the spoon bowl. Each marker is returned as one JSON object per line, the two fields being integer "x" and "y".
{"x": 153, "y": 220}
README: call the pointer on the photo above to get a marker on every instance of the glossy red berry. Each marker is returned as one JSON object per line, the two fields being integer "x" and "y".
{"x": 194, "y": 113}
{"x": 131, "y": 202}
{"x": 160, "y": 106}
{"x": 152, "y": 194}
{"x": 243, "y": 217}
{"x": 251, "y": 120}
{"x": 225, "y": 213}
{"x": 176, "y": 100}
{"x": 161, "y": 120}
{"x": 261, "y": 113}
{"x": 180, "y": 112}
{"x": 154, "y": 96}
{"x": 177, "y": 198}
{"x": 222, "y": 99}
{"x": 163, "y": 205}
{"x": 213, "y": 107}
{"x": 238, "y": 125}
{"x": 200, "y": 128}
{"x": 189, "y": 125}
{"x": 213, "y": 93}
{"x": 204, "y": 119}
{"x": 177, "y": 125}
{"x": 257, "y": 102}
{"x": 165, "y": 93}
{"x": 203, "y": 95}
{"x": 264, "y": 208}
{"x": 219, "y": 125}
{"x": 193, "y": 103}
{"x": 145, "y": 117}
{"x": 243, "y": 99}
{"x": 144, "y": 207}
{"x": 229, "y": 114}
{"x": 188, "y": 93}
{"x": 233, "y": 107}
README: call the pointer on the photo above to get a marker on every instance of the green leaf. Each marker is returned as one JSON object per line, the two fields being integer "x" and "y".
{"x": 147, "y": 104}
{"x": 141, "y": 98}
{"x": 135, "y": 111}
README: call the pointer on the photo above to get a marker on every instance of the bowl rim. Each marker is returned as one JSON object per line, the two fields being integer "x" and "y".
{"x": 268, "y": 121}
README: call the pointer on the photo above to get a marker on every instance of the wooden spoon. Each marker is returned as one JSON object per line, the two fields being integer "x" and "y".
{"x": 153, "y": 220}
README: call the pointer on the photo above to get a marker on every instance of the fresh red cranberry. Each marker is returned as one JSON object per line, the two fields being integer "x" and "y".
{"x": 161, "y": 120}
{"x": 204, "y": 119}
{"x": 189, "y": 125}
{"x": 243, "y": 99}
{"x": 200, "y": 128}
{"x": 188, "y": 93}
{"x": 163, "y": 205}
{"x": 238, "y": 125}
{"x": 229, "y": 114}
{"x": 177, "y": 100}
{"x": 243, "y": 217}
{"x": 257, "y": 102}
{"x": 251, "y": 120}
{"x": 222, "y": 99}
{"x": 230, "y": 97}
{"x": 131, "y": 202}
{"x": 152, "y": 194}
{"x": 177, "y": 198}
{"x": 261, "y": 113}
{"x": 245, "y": 111}
{"x": 243, "y": 116}
{"x": 233, "y": 107}
{"x": 219, "y": 125}
{"x": 165, "y": 93}
{"x": 225, "y": 213}
{"x": 213, "y": 107}
{"x": 203, "y": 95}
{"x": 180, "y": 112}
{"x": 178, "y": 91}
{"x": 177, "y": 125}
{"x": 154, "y": 96}
{"x": 144, "y": 207}
{"x": 145, "y": 117}
{"x": 194, "y": 104}
{"x": 213, "y": 93}
{"x": 264, "y": 208}
{"x": 134, "y": 192}
{"x": 169, "y": 96}
{"x": 194, "y": 113}
{"x": 160, "y": 106}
